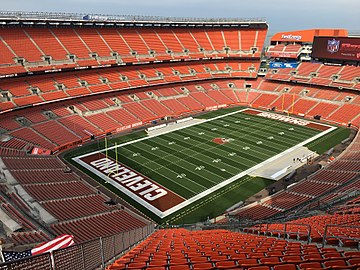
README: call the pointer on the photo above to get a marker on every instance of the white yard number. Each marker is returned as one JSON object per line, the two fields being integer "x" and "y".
{"x": 223, "y": 170}
{"x": 259, "y": 142}
{"x": 270, "y": 137}
{"x": 246, "y": 148}
{"x": 154, "y": 148}
{"x": 186, "y": 138}
{"x": 201, "y": 133}
{"x": 199, "y": 168}
{"x": 136, "y": 154}
{"x": 216, "y": 160}
{"x": 182, "y": 175}
{"x": 247, "y": 118}
{"x": 232, "y": 154}
{"x": 237, "y": 122}
{"x": 170, "y": 143}
{"x": 291, "y": 128}
{"x": 281, "y": 133}
{"x": 213, "y": 129}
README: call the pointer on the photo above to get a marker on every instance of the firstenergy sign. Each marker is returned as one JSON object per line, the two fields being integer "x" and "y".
{"x": 291, "y": 37}
{"x": 150, "y": 194}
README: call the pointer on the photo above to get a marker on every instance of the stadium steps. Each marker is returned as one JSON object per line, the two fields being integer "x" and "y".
{"x": 23, "y": 216}
{"x": 125, "y": 41}
{"x": 58, "y": 40}
{"x": 256, "y": 38}
{"x": 83, "y": 42}
{"x": 312, "y": 107}
{"x": 4, "y": 152}
{"x": 302, "y": 194}
{"x": 178, "y": 39}
{"x": 34, "y": 138}
{"x": 103, "y": 39}
{"x": 210, "y": 42}
{"x": 69, "y": 130}
{"x": 333, "y": 112}
{"x": 35, "y": 44}
{"x": 10, "y": 49}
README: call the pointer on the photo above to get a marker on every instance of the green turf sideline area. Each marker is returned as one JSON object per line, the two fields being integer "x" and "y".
{"x": 329, "y": 140}
{"x": 216, "y": 203}
{"x": 189, "y": 163}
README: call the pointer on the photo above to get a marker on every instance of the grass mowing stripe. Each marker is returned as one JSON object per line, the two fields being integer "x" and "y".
{"x": 271, "y": 131}
{"x": 186, "y": 160}
{"x": 153, "y": 172}
{"x": 277, "y": 125}
{"x": 241, "y": 158}
{"x": 246, "y": 138}
{"x": 215, "y": 204}
{"x": 214, "y": 155}
{"x": 180, "y": 169}
{"x": 163, "y": 179}
{"x": 253, "y": 140}
{"x": 201, "y": 161}
{"x": 240, "y": 136}
{"x": 328, "y": 141}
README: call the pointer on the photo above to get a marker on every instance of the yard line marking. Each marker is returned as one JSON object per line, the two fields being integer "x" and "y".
{"x": 160, "y": 167}
{"x": 182, "y": 159}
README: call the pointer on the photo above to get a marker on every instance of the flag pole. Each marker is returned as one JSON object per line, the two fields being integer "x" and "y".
{"x": 106, "y": 153}
{"x": 1, "y": 254}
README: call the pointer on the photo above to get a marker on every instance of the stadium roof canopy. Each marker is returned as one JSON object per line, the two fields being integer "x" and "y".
{"x": 307, "y": 36}
{"x": 13, "y": 18}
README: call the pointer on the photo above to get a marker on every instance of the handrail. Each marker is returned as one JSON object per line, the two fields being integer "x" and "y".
{"x": 339, "y": 237}
{"x": 83, "y": 253}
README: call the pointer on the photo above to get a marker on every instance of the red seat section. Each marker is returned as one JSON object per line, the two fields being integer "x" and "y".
{"x": 21, "y": 44}
{"x": 72, "y": 47}
{"x": 55, "y": 132}
{"x": 72, "y": 42}
{"x": 79, "y": 125}
{"x": 107, "y": 223}
{"x": 47, "y": 42}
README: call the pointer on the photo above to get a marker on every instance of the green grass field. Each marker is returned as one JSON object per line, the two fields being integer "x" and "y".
{"x": 188, "y": 162}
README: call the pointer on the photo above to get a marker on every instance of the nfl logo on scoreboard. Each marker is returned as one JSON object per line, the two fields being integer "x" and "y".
{"x": 333, "y": 46}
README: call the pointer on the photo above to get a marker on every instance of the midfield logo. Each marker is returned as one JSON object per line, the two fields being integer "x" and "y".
{"x": 333, "y": 45}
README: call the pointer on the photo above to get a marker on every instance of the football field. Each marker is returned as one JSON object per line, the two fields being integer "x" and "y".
{"x": 169, "y": 171}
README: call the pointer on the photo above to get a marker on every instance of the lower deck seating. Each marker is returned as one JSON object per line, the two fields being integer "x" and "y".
{"x": 343, "y": 231}
{"x": 221, "y": 249}
{"x": 81, "y": 118}
{"x": 75, "y": 207}
{"x": 98, "y": 225}
{"x": 65, "y": 196}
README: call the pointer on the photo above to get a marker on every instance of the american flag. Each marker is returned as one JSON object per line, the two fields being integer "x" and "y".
{"x": 13, "y": 255}
{"x": 61, "y": 241}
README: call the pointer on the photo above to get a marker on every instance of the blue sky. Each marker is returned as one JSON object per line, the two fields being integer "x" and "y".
{"x": 282, "y": 15}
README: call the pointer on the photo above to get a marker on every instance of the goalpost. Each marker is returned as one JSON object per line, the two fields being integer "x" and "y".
{"x": 107, "y": 157}
{"x": 291, "y": 109}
